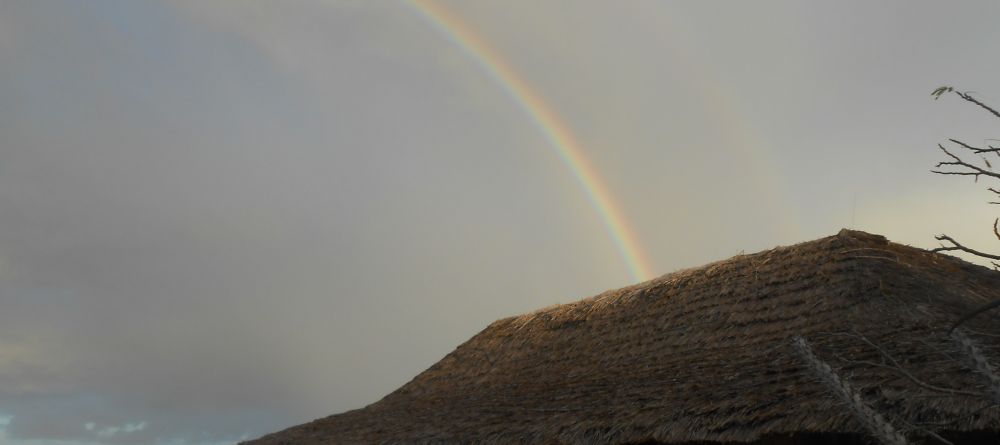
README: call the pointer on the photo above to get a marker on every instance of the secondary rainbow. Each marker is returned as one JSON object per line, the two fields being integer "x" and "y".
{"x": 558, "y": 134}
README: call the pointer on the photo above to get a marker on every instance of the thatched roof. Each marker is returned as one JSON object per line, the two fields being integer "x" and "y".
{"x": 706, "y": 354}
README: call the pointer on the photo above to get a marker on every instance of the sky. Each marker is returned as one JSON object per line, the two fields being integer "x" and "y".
{"x": 220, "y": 219}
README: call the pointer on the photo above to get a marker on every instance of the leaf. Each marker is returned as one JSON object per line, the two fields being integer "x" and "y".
{"x": 941, "y": 90}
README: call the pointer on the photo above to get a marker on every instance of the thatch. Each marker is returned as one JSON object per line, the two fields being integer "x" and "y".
{"x": 706, "y": 354}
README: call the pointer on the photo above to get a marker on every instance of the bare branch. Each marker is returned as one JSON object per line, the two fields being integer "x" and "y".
{"x": 958, "y": 162}
{"x": 956, "y": 158}
{"x": 976, "y": 150}
{"x": 961, "y": 419}
{"x": 955, "y": 245}
{"x": 957, "y": 173}
{"x": 969, "y": 98}
{"x": 899, "y": 370}
{"x": 936, "y": 436}
{"x": 895, "y": 366}
{"x": 911, "y": 427}
{"x": 973, "y": 313}
{"x": 973, "y": 149}
{"x": 981, "y": 334}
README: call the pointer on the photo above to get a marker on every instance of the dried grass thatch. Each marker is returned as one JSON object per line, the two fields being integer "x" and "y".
{"x": 706, "y": 355}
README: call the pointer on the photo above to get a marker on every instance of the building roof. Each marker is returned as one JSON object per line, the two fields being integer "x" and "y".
{"x": 706, "y": 354}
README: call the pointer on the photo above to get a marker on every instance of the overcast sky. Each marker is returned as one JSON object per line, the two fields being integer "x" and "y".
{"x": 219, "y": 219}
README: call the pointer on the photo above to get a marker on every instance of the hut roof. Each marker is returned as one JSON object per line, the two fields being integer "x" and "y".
{"x": 705, "y": 354}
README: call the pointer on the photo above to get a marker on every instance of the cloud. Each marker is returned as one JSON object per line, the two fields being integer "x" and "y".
{"x": 195, "y": 236}
{"x": 95, "y": 439}
{"x": 222, "y": 219}
{"x": 123, "y": 290}
{"x": 111, "y": 431}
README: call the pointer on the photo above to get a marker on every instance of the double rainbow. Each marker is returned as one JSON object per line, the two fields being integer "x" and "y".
{"x": 558, "y": 134}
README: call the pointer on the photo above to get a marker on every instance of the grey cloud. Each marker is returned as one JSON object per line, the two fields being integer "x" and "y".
{"x": 225, "y": 219}
{"x": 192, "y": 240}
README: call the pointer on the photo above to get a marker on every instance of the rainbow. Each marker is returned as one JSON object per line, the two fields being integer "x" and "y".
{"x": 557, "y": 132}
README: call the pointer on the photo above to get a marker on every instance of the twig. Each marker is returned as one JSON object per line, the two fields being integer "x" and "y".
{"x": 976, "y": 150}
{"x": 969, "y": 98}
{"x": 918, "y": 382}
{"x": 973, "y": 313}
{"x": 980, "y": 333}
{"x": 922, "y": 429}
{"x": 976, "y": 170}
{"x": 967, "y": 416}
{"x": 899, "y": 368}
{"x": 958, "y": 246}
{"x": 873, "y": 421}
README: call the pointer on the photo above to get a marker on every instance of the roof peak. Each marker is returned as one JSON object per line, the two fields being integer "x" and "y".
{"x": 862, "y": 236}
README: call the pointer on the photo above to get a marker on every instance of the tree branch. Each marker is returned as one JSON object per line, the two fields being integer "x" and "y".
{"x": 895, "y": 366}
{"x": 972, "y": 314}
{"x": 955, "y": 245}
{"x": 960, "y": 419}
{"x": 994, "y": 191}
{"x": 976, "y": 150}
{"x": 969, "y": 98}
{"x": 976, "y": 171}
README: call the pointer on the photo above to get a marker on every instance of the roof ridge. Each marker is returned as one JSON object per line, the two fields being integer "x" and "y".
{"x": 618, "y": 295}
